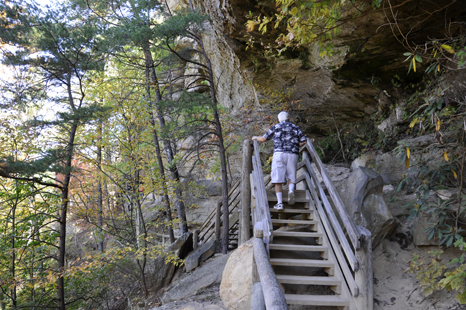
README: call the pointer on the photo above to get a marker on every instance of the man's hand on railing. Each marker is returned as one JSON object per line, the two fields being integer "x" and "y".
{"x": 258, "y": 138}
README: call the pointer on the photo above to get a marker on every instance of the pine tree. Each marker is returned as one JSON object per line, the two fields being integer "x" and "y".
{"x": 61, "y": 45}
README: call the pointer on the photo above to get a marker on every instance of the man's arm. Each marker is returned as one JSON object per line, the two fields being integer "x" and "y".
{"x": 259, "y": 138}
{"x": 302, "y": 143}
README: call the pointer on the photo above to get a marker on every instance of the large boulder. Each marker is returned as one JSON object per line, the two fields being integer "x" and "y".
{"x": 236, "y": 286}
{"x": 390, "y": 168}
{"x": 362, "y": 195}
{"x": 161, "y": 271}
{"x": 201, "y": 278}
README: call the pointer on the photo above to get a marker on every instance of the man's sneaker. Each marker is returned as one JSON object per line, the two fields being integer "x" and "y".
{"x": 291, "y": 198}
{"x": 278, "y": 206}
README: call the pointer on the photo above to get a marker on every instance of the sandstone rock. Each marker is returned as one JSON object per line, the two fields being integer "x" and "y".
{"x": 201, "y": 278}
{"x": 233, "y": 88}
{"x": 162, "y": 272}
{"x": 236, "y": 286}
{"x": 387, "y": 165}
{"x": 199, "y": 255}
{"x": 212, "y": 188}
{"x": 363, "y": 197}
{"x": 336, "y": 174}
{"x": 395, "y": 118}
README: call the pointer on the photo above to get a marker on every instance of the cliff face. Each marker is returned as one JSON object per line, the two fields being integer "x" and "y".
{"x": 365, "y": 73}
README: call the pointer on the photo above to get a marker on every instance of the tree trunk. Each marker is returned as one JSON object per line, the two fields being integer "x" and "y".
{"x": 13, "y": 245}
{"x": 64, "y": 205}
{"x": 157, "y": 150}
{"x": 222, "y": 151}
{"x": 100, "y": 202}
{"x": 62, "y": 219}
{"x": 168, "y": 149}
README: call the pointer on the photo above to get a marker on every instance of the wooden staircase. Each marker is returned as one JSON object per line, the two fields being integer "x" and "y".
{"x": 310, "y": 255}
{"x": 301, "y": 257}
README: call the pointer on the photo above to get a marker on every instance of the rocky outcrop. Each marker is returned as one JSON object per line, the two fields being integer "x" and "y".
{"x": 362, "y": 195}
{"x": 201, "y": 278}
{"x": 360, "y": 77}
{"x": 196, "y": 257}
{"x": 387, "y": 165}
{"x": 162, "y": 272}
{"x": 236, "y": 286}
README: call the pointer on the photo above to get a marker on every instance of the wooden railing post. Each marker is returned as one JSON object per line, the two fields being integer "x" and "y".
{"x": 217, "y": 221}
{"x": 196, "y": 239}
{"x": 363, "y": 276}
{"x": 246, "y": 193}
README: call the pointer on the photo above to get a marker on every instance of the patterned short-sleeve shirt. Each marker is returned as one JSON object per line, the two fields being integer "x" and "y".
{"x": 286, "y": 137}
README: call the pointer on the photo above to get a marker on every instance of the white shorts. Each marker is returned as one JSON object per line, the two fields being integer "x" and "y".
{"x": 284, "y": 167}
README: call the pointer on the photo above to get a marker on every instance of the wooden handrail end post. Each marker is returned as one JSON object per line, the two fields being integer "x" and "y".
{"x": 257, "y": 297}
{"x": 364, "y": 276}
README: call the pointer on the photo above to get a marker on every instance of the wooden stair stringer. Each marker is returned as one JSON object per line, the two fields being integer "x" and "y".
{"x": 345, "y": 292}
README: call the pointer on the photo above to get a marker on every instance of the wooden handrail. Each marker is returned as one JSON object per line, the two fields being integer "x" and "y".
{"x": 262, "y": 195}
{"x": 273, "y": 295}
{"x": 212, "y": 214}
{"x": 350, "y": 226}
{"x": 333, "y": 219}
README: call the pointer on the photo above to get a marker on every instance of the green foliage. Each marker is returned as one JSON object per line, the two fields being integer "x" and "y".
{"x": 179, "y": 23}
{"x": 302, "y": 22}
{"x": 435, "y": 275}
{"x": 438, "y": 54}
{"x": 357, "y": 139}
{"x": 437, "y": 166}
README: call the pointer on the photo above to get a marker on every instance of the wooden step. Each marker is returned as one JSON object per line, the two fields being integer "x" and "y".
{"x": 301, "y": 262}
{"x": 284, "y": 233}
{"x": 317, "y": 300}
{"x": 307, "y": 280}
{"x": 295, "y": 247}
{"x": 295, "y": 222}
{"x": 299, "y": 196}
{"x": 289, "y": 210}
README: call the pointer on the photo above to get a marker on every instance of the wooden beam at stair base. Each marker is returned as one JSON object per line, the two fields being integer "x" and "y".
{"x": 273, "y": 295}
{"x": 307, "y": 280}
{"x": 284, "y": 233}
{"x": 288, "y": 210}
{"x": 294, "y": 222}
{"x": 295, "y": 247}
{"x": 313, "y": 263}
{"x": 317, "y": 300}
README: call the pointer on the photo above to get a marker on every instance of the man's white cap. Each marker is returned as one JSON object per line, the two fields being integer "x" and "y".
{"x": 282, "y": 116}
